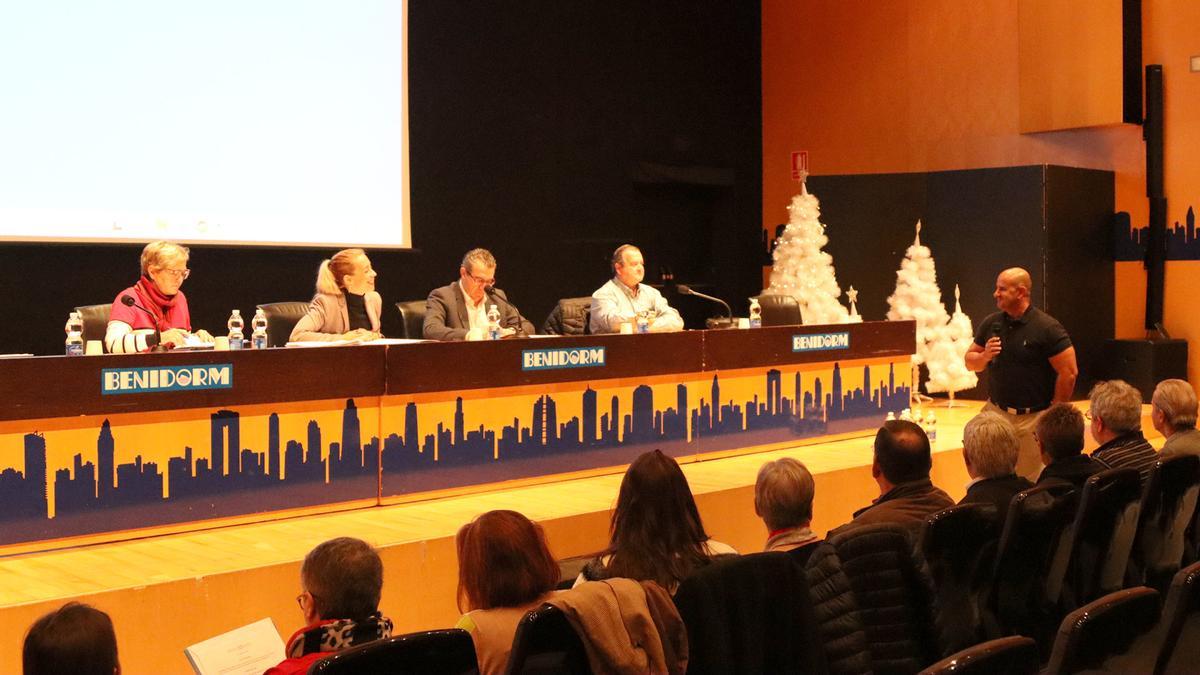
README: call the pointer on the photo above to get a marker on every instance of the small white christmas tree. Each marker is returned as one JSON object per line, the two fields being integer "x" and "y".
{"x": 802, "y": 270}
{"x": 918, "y": 297}
{"x": 946, "y": 359}
{"x": 852, "y": 296}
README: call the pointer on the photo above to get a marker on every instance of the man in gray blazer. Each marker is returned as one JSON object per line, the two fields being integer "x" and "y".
{"x": 458, "y": 311}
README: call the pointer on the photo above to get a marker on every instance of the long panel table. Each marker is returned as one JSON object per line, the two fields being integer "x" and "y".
{"x": 105, "y": 447}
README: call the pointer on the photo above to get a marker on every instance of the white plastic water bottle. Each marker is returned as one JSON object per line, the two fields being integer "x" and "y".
{"x": 931, "y": 427}
{"x": 74, "y": 330}
{"x": 258, "y": 339}
{"x": 493, "y": 319}
{"x": 755, "y": 314}
{"x": 643, "y": 321}
{"x": 237, "y": 338}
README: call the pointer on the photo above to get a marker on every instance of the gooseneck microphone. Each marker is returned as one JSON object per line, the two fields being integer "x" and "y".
{"x": 687, "y": 290}
{"x": 517, "y": 324}
{"x": 128, "y": 301}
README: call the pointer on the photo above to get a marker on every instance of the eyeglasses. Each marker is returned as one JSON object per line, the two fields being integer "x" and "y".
{"x": 1087, "y": 415}
{"x": 178, "y": 274}
{"x": 300, "y": 598}
{"x": 481, "y": 281}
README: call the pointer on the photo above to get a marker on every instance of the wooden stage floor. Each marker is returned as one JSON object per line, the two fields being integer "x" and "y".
{"x": 167, "y": 592}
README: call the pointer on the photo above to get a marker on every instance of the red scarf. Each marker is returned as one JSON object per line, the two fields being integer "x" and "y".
{"x": 163, "y": 307}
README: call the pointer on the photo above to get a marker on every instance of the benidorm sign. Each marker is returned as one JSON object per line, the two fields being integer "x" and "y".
{"x": 571, "y": 357}
{"x": 166, "y": 378}
{"x": 820, "y": 342}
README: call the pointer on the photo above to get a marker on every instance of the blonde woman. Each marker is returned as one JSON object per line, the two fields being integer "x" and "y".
{"x": 346, "y": 306}
{"x": 153, "y": 311}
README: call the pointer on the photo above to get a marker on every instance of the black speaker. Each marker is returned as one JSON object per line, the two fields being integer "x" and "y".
{"x": 1143, "y": 363}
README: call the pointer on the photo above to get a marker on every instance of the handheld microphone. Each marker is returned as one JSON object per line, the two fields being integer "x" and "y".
{"x": 515, "y": 321}
{"x": 687, "y": 290}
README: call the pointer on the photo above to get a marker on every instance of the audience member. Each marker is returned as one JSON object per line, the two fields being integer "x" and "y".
{"x": 783, "y": 498}
{"x": 990, "y": 450}
{"x": 901, "y": 469}
{"x": 341, "y": 581}
{"x": 504, "y": 570}
{"x": 1059, "y": 434}
{"x": 1116, "y": 414}
{"x": 346, "y": 306}
{"x": 458, "y": 310}
{"x": 1173, "y": 413}
{"x": 656, "y": 533}
{"x": 76, "y": 639}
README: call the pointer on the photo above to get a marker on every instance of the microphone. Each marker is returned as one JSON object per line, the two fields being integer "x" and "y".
{"x": 727, "y": 322}
{"x": 128, "y": 301}
{"x": 516, "y": 322}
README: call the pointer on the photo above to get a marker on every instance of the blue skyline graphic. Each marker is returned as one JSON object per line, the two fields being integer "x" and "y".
{"x": 1129, "y": 243}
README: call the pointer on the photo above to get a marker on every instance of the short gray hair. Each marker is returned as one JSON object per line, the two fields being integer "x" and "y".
{"x": 991, "y": 445}
{"x": 481, "y": 256}
{"x": 1117, "y": 404}
{"x": 1177, "y": 401}
{"x": 159, "y": 253}
{"x": 783, "y": 493}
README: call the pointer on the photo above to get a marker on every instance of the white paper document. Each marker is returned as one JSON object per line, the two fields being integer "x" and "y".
{"x": 248, "y": 650}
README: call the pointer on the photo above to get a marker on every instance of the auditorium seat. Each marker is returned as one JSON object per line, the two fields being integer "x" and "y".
{"x": 1102, "y": 536}
{"x": 1098, "y": 635}
{"x": 570, "y": 316}
{"x": 750, "y": 614}
{"x": 95, "y": 320}
{"x": 1012, "y": 655}
{"x": 835, "y": 610}
{"x": 546, "y": 644}
{"x": 1179, "y": 646}
{"x": 281, "y": 319}
{"x": 894, "y": 594}
{"x": 1168, "y": 507}
{"x": 780, "y": 310}
{"x": 446, "y": 652}
{"x": 412, "y": 318}
{"x": 959, "y": 544}
{"x": 1031, "y": 560}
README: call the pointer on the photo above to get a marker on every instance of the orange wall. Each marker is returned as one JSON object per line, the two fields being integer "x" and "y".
{"x": 870, "y": 86}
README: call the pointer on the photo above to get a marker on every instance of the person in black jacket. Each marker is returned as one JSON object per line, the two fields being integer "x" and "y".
{"x": 1059, "y": 434}
{"x": 990, "y": 449}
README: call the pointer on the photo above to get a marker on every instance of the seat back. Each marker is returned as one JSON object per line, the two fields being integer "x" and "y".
{"x": 750, "y": 614}
{"x": 1013, "y": 655}
{"x": 282, "y": 317}
{"x": 1102, "y": 535}
{"x": 546, "y": 644}
{"x": 570, "y": 316}
{"x": 1098, "y": 633}
{"x": 1031, "y": 559}
{"x": 959, "y": 544}
{"x": 448, "y": 652}
{"x": 95, "y": 320}
{"x": 1181, "y": 623}
{"x": 780, "y": 310}
{"x": 412, "y": 318}
{"x": 1168, "y": 506}
{"x": 894, "y": 593}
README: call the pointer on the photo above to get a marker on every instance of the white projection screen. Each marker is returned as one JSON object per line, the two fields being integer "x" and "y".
{"x": 247, "y": 122}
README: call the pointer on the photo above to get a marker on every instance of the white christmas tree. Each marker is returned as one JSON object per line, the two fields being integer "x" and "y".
{"x": 918, "y": 297}
{"x": 947, "y": 367}
{"x": 804, "y": 271}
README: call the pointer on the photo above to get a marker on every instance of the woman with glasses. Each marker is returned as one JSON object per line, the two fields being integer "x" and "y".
{"x": 154, "y": 312}
{"x": 346, "y": 306}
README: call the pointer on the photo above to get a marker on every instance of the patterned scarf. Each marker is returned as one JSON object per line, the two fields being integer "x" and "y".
{"x": 338, "y": 634}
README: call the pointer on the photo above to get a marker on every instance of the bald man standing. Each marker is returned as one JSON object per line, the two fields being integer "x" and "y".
{"x": 1030, "y": 362}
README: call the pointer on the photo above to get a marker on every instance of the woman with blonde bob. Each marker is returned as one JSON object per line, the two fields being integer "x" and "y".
{"x": 346, "y": 306}
{"x": 505, "y": 569}
{"x": 156, "y": 311}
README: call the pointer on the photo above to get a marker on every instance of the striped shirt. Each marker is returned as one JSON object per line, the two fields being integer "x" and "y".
{"x": 1128, "y": 450}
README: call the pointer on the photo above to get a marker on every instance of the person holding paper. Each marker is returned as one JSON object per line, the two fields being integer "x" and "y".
{"x": 624, "y": 297}
{"x": 346, "y": 306}
{"x": 340, "y": 580}
{"x": 154, "y": 311}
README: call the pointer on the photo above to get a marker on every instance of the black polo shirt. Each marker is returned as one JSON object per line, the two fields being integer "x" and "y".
{"x": 1021, "y": 375}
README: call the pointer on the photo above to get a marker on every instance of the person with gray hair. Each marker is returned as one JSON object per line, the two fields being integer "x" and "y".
{"x": 783, "y": 498}
{"x": 1173, "y": 413}
{"x": 990, "y": 449}
{"x": 458, "y": 310}
{"x": 1116, "y": 414}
